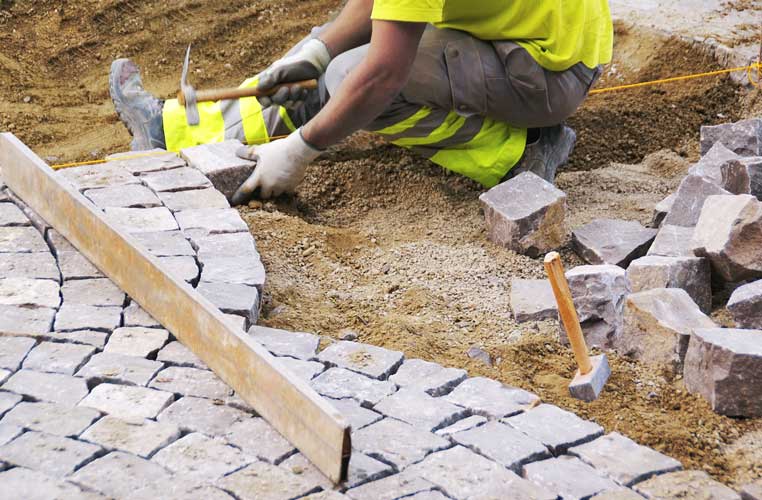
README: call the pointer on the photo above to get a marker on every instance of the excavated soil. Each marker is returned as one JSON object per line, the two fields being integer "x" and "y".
{"x": 379, "y": 242}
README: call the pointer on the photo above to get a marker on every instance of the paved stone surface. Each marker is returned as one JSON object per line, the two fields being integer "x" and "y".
{"x": 87, "y": 337}
{"x": 57, "y": 242}
{"x": 689, "y": 200}
{"x": 727, "y": 233}
{"x": 557, "y": 429}
{"x": 212, "y": 220}
{"x": 137, "y": 341}
{"x": 51, "y": 387}
{"x": 462, "y": 425}
{"x": 169, "y": 490}
{"x": 133, "y": 196}
{"x": 461, "y": 473}
{"x": 743, "y": 137}
{"x": 526, "y": 214}
{"x": 220, "y": 164}
{"x": 11, "y": 215}
{"x": 153, "y": 160}
{"x": 92, "y": 292}
{"x": 256, "y": 438}
{"x": 165, "y": 243}
{"x": 503, "y": 444}
{"x": 658, "y": 326}
{"x": 80, "y": 317}
{"x": 490, "y": 398}
{"x": 725, "y": 367}
{"x": 8, "y": 400}
{"x": 673, "y": 241}
{"x": 177, "y": 354}
{"x": 225, "y": 245}
{"x": 53, "y": 455}
{"x": 623, "y": 460}
{"x": 392, "y": 487}
{"x": 127, "y": 402}
{"x": 598, "y": 293}
{"x": 176, "y": 179}
{"x": 191, "y": 382}
{"x": 33, "y": 485}
{"x": 19, "y": 320}
{"x": 21, "y": 240}
{"x": 75, "y": 266}
{"x": 4, "y": 375}
{"x": 97, "y": 176}
{"x": 685, "y": 484}
{"x": 7, "y": 434}
{"x": 183, "y": 268}
{"x": 262, "y": 481}
{"x": 283, "y": 343}
{"x": 245, "y": 270}
{"x": 745, "y": 305}
{"x": 139, "y": 438}
{"x": 204, "y": 458}
{"x": 118, "y": 474}
{"x": 428, "y": 377}
{"x": 362, "y": 469}
{"x": 29, "y": 265}
{"x": 358, "y": 416}
{"x": 339, "y": 383}
{"x": 569, "y": 477}
{"x": 396, "y": 442}
{"x": 13, "y": 351}
{"x": 532, "y": 300}
{"x": 303, "y": 369}
{"x": 58, "y": 357}
{"x": 142, "y": 220}
{"x": 136, "y": 316}
{"x": 233, "y": 298}
{"x": 366, "y": 359}
{"x": 29, "y": 293}
{"x": 52, "y": 418}
{"x": 420, "y": 410}
{"x": 692, "y": 274}
{"x": 120, "y": 369}
{"x": 202, "y": 415}
{"x": 194, "y": 199}
{"x": 623, "y": 494}
{"x": 609, "y": 241}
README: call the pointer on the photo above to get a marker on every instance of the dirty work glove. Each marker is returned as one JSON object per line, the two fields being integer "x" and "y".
{"x": 281, "y": 166}
{"x": 308, "y": 63}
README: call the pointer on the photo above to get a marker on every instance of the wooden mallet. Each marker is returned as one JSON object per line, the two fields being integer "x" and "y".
{"x": 593, "y": 372}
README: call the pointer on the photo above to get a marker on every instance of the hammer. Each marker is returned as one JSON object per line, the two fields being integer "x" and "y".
{"x": 189, "y": 97}
{"x": 593, "y": 372}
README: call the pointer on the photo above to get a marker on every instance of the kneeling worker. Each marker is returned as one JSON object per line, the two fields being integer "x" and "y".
{"x": 480, "y": 88}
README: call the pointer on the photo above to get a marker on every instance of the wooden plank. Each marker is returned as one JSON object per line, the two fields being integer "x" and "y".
{"x": 312, "y": 425}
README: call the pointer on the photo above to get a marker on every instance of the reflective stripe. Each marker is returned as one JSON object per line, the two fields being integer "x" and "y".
{"x": 405, "y": 124}
{"x": 286, "y": 119}
{"x": 179, "y": 135}
{"x": 255, "y": 131}
{"x": 449, "y": 127}
{"x": 397, "y": 112}
{"x": 231, "y": 113}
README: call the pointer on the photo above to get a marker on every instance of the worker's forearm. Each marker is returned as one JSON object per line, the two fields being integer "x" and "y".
{"x": 364, "y": 95}
{"x": 350, "y": 29}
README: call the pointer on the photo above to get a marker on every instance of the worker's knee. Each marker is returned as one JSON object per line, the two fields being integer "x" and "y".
{"x": 341, "y": 66}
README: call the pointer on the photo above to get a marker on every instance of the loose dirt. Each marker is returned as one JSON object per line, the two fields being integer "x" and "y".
{"x": 379, "y": 241}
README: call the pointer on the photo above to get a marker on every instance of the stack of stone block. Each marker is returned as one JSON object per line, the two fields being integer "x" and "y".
{"x": 97, "y": 400}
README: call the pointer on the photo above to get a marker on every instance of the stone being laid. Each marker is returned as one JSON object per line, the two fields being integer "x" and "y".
{"x": 220, "y": 164}
{"x": 743, "y": 137}
{"x": 598, "y": 293}
{"x": 525, "y": 214}
{"x": 658, "y": 326}
{"x": 745, "y": 305}
{"x": 691, "y": 274}
{"x": 729, "y": 234}
{"x": 532, "y": 300}
{"x": 609, "y": 241}
{"x": 725, "y": 367}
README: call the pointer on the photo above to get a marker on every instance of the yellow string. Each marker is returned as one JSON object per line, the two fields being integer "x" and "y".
{"x": 748, "y": 69}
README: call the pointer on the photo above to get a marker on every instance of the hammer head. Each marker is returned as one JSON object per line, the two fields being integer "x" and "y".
{"x": 189, "y": 93}
{"x": 587, "y": 387}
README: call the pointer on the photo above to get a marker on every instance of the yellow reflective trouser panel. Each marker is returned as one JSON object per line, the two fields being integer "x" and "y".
{"x": 482, "y": 149}
{"x": 241, "y": 119}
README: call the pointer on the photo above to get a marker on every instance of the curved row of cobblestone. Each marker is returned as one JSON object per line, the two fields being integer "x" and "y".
{"x": 97, "y": 400}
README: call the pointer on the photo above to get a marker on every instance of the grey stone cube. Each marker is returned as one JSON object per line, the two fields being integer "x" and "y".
{"x": 609, "y": 241}
{"x": 745, "y": 305}
{"x": 219, "y": 162}
{"x": 743, "y": 137}
{"x": 692, "y": 274}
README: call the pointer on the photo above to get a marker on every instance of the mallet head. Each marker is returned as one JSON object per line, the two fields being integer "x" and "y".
{"x": 588, "y": 387}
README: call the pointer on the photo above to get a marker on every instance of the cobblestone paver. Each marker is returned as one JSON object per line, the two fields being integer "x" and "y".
{"x": 97, "y": 400}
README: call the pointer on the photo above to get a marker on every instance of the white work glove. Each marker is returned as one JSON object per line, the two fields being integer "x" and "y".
{"x": 281, "y": 166}
{"x": 308, "y": 63}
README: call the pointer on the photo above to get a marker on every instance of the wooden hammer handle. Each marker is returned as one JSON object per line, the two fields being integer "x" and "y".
{"x": 238, "y": 93}
{"x": 555, "y": 269}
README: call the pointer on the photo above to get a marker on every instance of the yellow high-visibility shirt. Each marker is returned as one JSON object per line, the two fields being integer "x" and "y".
{"x": 557, "y": 33}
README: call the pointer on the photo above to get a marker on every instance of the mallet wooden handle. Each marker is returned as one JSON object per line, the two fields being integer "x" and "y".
{"x": 566, "y": 309}
{"x": 238, "y": 93}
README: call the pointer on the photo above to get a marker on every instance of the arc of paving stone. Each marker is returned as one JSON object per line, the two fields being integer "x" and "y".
{"x": 419, "y": 428}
